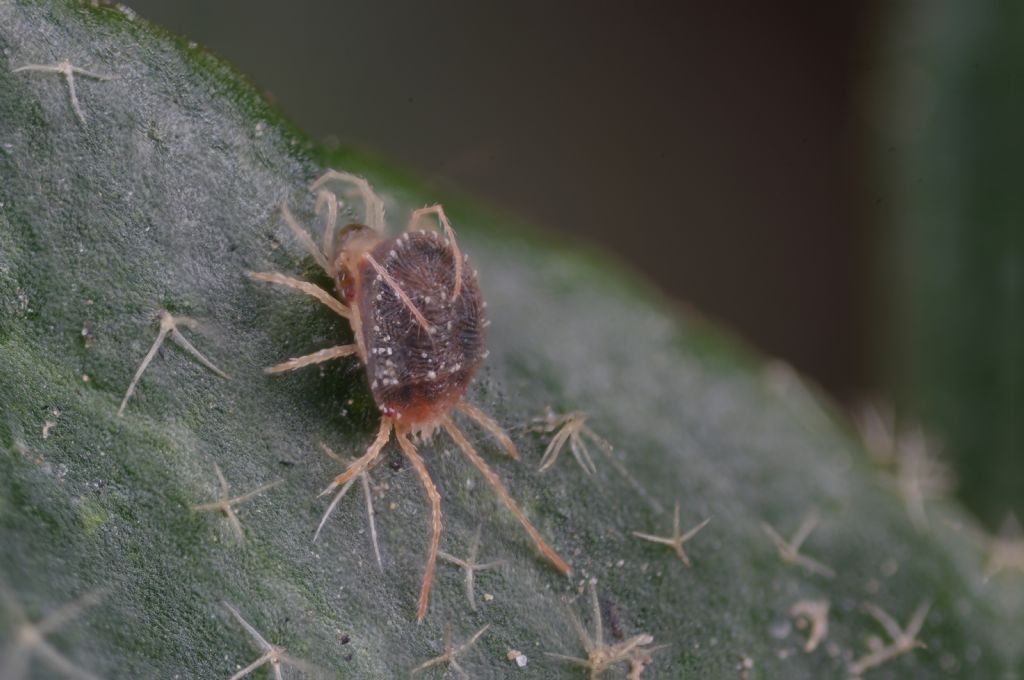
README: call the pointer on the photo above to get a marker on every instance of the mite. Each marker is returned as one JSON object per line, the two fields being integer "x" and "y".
{"x": 418, "y": 320}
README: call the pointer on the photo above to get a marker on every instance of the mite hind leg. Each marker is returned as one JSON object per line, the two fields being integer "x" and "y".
{"x": 363, "y": 463}
{"x": 322, "y": 296}
{"x": 364, "y": 477}
{"x": 504, "y": 495}
{"x": 373, "y": 202}
{"x": 489, "y": 424}
{"x": 435, "y": 514}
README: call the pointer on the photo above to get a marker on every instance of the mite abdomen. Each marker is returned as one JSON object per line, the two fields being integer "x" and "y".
{"x": 423, "y": 343}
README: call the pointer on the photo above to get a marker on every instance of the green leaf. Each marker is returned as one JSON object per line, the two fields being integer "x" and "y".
{"x": 162, "y": 199}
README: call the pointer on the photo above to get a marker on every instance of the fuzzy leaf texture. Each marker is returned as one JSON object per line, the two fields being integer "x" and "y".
{"x": 160, "y": 198}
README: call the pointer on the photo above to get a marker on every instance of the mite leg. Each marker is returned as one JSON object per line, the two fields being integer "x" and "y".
{"x": 314, "y": 358}
{"x": 362, "y": 463}
{"x": 330, "y": 508}
{"x": 402, "y": 295}
{"x": 489, "y": 424}
{"x": 504, "y": 495}
{"x": 435, "y": 514}
{"x": 304, "y": 238}
{"x": 326, "y": 198}
{"x": 374, "y": 206}
{"x": 414, "y": 221}
{"x": 367, "y": 491}
{"x": 304, "y": 287}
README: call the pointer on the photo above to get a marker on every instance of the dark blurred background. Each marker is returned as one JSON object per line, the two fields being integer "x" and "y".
{"x": 712, "y": 145}
{"x": 786, "y": 167}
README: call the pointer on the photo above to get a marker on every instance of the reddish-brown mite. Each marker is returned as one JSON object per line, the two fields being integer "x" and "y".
{"x": 418, "y": 320}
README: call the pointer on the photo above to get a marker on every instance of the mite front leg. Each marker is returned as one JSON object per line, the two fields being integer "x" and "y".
{"x": 435, "y": 514}
{"x": 326, "y": 199}
{"x": 317, "y": 292}
{"x": 305, "y": 239}
{"x": 374, "y": 206}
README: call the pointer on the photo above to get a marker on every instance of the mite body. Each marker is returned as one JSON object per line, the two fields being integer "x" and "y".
{"x": 418, "y": 372}
{"x": 418, "y": 319}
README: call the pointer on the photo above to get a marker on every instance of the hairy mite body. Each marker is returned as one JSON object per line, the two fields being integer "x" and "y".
{"x": 418, "y": 320}
{"x": 418, "y": 374}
